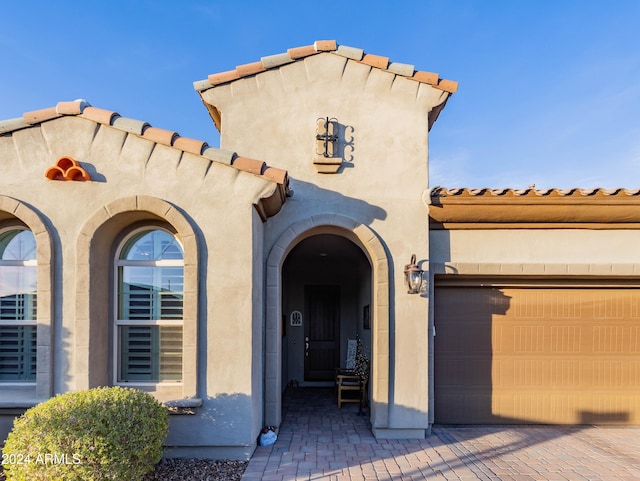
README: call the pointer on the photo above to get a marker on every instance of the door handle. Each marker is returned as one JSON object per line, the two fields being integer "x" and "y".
{"x": 306, "y": 346}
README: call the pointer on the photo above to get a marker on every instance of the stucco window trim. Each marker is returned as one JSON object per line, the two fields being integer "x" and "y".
{"x": 91, "y": 323}
{"x": 14, "y": 213}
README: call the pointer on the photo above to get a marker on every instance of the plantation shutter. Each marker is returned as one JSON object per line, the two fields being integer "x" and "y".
{"x": 151, "y": 353}
{"x": 17, "y": 353}
{"x": 18, "y": 307}
{"x": 151, "y": 293}
{"x": 150, "y": 273}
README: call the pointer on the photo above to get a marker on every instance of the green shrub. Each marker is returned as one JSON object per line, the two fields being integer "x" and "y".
{"x": 100, "y": 434}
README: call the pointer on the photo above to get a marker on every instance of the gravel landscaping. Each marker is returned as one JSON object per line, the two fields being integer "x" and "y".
{"x": 184, "y": 469}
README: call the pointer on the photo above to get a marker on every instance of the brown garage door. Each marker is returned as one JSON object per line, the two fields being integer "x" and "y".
{"x": 537, "y": 354}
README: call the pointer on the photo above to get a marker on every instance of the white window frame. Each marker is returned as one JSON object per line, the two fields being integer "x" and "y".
{"x": 27, "y": 322}
{"x": 157, "y": 322}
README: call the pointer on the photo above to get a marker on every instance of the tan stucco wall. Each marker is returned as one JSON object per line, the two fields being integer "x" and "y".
{"x": 536, "y": 251}
{"x": 273, "y": 116}
{"x": 137, "y": 180}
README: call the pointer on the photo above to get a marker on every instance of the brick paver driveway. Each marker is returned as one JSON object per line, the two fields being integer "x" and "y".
{"x": 319, "y": 442}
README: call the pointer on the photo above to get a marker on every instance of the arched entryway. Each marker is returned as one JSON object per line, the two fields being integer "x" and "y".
{"x": 326, "y": 294}
{"x": 294, "y": 259}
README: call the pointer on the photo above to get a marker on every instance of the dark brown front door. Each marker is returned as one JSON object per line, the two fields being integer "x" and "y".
{"x": 322, "y": 332}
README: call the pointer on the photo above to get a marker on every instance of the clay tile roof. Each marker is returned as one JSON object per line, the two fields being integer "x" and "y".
{"x": 576, "y": 193}
{"x": 331, "y": 46}
{"x": 598, "y": 208}
{"x": 266, "y": 207}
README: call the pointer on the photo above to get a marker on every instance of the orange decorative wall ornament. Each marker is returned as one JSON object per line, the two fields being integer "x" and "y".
{"x": 67, "y": 168}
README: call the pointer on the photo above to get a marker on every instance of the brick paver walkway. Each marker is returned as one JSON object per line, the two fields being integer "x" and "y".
{"x": 317, "y": 441}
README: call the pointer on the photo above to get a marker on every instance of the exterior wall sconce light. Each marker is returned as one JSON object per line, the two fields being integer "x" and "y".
{"x": 413, "y": 276}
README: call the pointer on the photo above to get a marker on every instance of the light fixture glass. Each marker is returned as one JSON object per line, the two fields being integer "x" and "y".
{"x": 413, "y": 276}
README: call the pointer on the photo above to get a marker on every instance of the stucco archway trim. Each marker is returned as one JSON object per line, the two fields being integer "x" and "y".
{"x": 90, "y": 309}
{"x": 371, "y": 245}
{"x": 44, "y": 256}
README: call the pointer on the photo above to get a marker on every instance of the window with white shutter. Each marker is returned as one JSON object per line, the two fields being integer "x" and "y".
{"x": 150, "y": 291}
{"x": 18, "y": 306}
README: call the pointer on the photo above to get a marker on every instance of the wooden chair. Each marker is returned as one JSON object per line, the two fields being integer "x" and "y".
{"x": 351, "y": 388}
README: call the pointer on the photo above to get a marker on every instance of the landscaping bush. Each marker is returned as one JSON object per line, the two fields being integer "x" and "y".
{"x": 101, "y": 434}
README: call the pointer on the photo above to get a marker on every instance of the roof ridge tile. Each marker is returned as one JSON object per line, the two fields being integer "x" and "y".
{"x": 9, "y": 125}
{"x": 160, "y": 136}
{"x": 37, "y": 116}
{"x": 71, "y": 108}
{"x": 254, "y": 166}
{"x": 252, "y": 68}
{"x": 301, "y": 52}
{"x": 331, "y": 46}
{"x": 193, "y": 146}
{"x": 101, "y": 116}
{"x": 272, "y": 61}
{"x": 403, "y": 69}
{"x": 132, "y": 126}
{"x": 353, "y": 53}
{"x": 325, "y": 45}
{"x": 377, "y": 61}
{"x": 219, "y": 155}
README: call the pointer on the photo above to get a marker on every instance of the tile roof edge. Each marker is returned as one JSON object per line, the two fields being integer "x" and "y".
{"x": 329, "y": 46}
{"x": 82, "y": 109}
{"x": 532, "y": 192}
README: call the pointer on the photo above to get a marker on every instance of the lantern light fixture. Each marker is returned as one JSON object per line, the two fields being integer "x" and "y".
{"x": 413, "y": 276}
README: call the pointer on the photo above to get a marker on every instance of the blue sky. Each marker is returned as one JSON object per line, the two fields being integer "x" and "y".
{"x": 549, "y": 90}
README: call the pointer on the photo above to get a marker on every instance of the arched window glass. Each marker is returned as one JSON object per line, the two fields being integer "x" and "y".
{"x": 149, "y": 323}
{"x": 18, "y": 306}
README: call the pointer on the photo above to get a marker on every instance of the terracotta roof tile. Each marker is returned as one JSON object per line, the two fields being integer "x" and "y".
{"x": 190, "y": 145}
{"x": 223, "y": 77}
{"x": 447, "y": 85}
{"x": 534, "y": 208}
{"x": 71, "y": 108}
{"x": 425, "y": 77}
{"x": 80, "y": 108}
{"x": 375, "y": 61}
{"x": 99, "y": 115}
{"x": 37, "y": 116}
{"x": 277, "y": 175}
{"x": 160, "y": 136}
{"x": 250, "y": 69}
{"x": 276, "y": 60}
{"x": 403, "y": 69}
{"x": 250, "y": 165}
{"x": 325, "y": 45}
{"x": 13, "y": 124}
{"x": 301, "y": 52}
{"x": 350, "y": 52}
{"x": 219, "y": 155}
{"x": 576, "y": 193}
{"x": 132, "y": 126}
{"x": 331, "y": 46}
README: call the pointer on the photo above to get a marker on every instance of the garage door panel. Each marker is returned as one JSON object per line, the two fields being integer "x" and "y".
{"x": 537, "y": 355}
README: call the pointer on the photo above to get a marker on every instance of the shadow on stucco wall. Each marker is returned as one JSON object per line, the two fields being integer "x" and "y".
{"x": 223, "y": 422}
{"x": 316, "y": 200}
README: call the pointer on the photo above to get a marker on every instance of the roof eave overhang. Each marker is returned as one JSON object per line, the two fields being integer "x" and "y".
{"x": 534, "y": 209}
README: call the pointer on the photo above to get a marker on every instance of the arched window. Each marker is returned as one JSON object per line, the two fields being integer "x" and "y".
{"x": 18, "y": 306}
{"x": 149, "y": 313}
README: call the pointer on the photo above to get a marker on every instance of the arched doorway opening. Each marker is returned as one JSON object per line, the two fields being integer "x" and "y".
{"x": 363, "y": 237}
{"x": 326, "y": 301}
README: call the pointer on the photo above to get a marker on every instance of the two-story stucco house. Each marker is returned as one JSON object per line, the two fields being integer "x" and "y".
{"x": 214, "y": 277}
